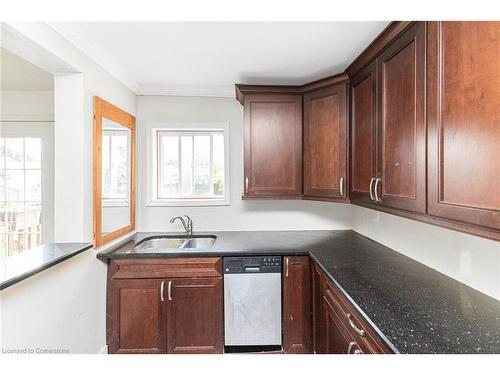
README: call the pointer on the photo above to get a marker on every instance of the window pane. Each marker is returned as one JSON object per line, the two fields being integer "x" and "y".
{"x": 3, "y": 216}
{"x": 106, "y": 170}
{"x": 202, "y": 165}
{"x": 33, "y": 153}
{"x": 169, "y": 164}
{"x": 187, "y": 164}
{"x": 14, "y": 182}
{"x": 119, "y": 165}
{"x": 33, "y": 217}
{"x": 33, "y": 185}
{"x": 2, "y": 152}
{"x": 14, "y": 152}
{"x": 15, "y": 217}
{"x": 218, "y": 164}
{"x": 33, "y": 240}
{"x": 15, "y": 243}
{"x": 2, "y": 185}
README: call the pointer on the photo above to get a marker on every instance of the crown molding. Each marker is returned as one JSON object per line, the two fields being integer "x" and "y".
{"x": 96, "y": 54}
{"x": 214, "y": 91}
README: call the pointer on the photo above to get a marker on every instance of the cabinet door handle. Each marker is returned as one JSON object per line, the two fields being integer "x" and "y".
{"x": 246, "y": 185}
{"x": 352, "y": 344}
{"x": 162, "y": 287}
{"x": 287, "y": 260}
{"x": 376, "y": 189}
{"x": 341, "y": 186}
{"x": 360, "y": 332}
{"x": 170, "y": 290}
{"x": 371, "y": 189}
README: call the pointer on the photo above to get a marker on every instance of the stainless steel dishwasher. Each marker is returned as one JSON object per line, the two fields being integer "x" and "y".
{"x": 252, "y": 303}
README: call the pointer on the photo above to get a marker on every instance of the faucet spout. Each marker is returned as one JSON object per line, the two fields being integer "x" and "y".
{"x": 187, "y": 224}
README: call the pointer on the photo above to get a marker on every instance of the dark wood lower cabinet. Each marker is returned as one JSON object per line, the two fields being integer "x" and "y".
{"x": 165, "y": 306}
{"x": 135, "y": 317}
{"x": 194, "y": 316}
{"x": 297, "y": 309}
{"x": 338, "y": 328}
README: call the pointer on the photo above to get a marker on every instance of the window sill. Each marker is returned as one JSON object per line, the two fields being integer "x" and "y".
{"x": 189, "y": 203}
{"x": 19, "y": 267}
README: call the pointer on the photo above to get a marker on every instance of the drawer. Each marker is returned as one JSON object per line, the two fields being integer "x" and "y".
{"x": 165, "y": 268}
{"x": 363, "y": 333}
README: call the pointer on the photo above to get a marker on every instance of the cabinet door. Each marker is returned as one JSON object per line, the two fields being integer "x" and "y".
{"x": 325, "y": 144}
{"x": 136, "y": 317}
{"x": 318, "y": 318}
{"x": 401, "y": 157}
{"x": 297, "y": 305}
{"x": 337, "y": 338}
{"x": 273, "y": 146}
{"x": 194, "y": 315}
{"x": 464, "y": 122}
{"x": 363, "y": 133}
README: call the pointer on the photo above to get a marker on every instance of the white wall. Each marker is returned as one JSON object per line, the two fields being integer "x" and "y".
{"x": 473, "y": 260}
{"x": 61, "y": 308}
{"x": 27, "y": 106}
{"x": 240, "y": 215}
{"x": 64, "y": 306}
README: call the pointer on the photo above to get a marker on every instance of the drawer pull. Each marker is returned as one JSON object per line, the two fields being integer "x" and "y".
{"x": 287, "y": 260}
{"x": 377, "y": 199}
{"x": 360, "y": 332}
{"x": 341, "y": 184}
{"x": 352, "y": 344}
{"x": 162, "y": 287}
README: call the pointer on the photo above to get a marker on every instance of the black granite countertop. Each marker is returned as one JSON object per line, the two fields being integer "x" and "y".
{"x": 414, "y": 308}
{"x": 28, "y": 263}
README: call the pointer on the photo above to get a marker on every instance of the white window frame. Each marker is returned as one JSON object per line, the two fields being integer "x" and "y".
{"x": 45, "y": 131}
{"x": 153, "y": 129}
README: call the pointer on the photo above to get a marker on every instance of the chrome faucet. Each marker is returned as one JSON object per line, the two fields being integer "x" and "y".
{"x": 187, "y": 224}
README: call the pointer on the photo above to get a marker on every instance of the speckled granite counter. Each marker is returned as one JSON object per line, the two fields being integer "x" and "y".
{"x": 414, "y": 308}
{"x": 19, "y": 267}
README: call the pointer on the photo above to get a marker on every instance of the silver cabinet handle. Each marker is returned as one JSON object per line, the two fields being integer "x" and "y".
{"x": 376, "y": 188}
{"x": 162, "y": 287}
{"x": 360, "y": 332}
{"x": 341, "y": 186}
{"x": 286, "y": 266}
{"x": 170, "y": 290}
{"x": 371, "y": 188}
{"x": 246, "y": 185}
{"x": 352, "y": 344}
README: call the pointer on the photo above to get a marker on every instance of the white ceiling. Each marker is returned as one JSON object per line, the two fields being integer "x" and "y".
{"x": 17, "y": 74}
{"x": 200, "y": 58}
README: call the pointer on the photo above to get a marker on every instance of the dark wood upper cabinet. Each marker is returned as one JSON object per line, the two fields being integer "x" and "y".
{"x": 388, "y": 126}
{"x": 194, "y": 316}
{"x": 401, "y": 174}
{"x": 363, "y": 134}
{"x": 463, "y": 84}
{"x": 135, "y": 317}
{"x": 325, "y": 143}
{"x": 297, "y": 309}
{"x": 273, "y": 146}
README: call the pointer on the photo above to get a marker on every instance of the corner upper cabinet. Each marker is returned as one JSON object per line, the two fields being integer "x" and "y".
{"x": 463, "y": 84}
{"x": 388, "y": 126}
{"x": 325, "y": 143}
{"x": 273, "y": 146}
{"x": 363, "y": 134}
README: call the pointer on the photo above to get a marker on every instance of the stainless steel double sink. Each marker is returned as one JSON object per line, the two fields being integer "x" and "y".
{"x": 174, "y": 243}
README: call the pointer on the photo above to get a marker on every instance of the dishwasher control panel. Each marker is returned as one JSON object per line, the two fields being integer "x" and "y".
{"x": 253, "y": 264}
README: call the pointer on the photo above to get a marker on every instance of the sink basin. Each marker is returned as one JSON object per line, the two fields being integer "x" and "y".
{"x": 166, "y": 243}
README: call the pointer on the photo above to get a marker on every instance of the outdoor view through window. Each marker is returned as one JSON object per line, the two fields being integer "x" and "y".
{"x": 20, "y": 194}
{"x": 190, "y": 165}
